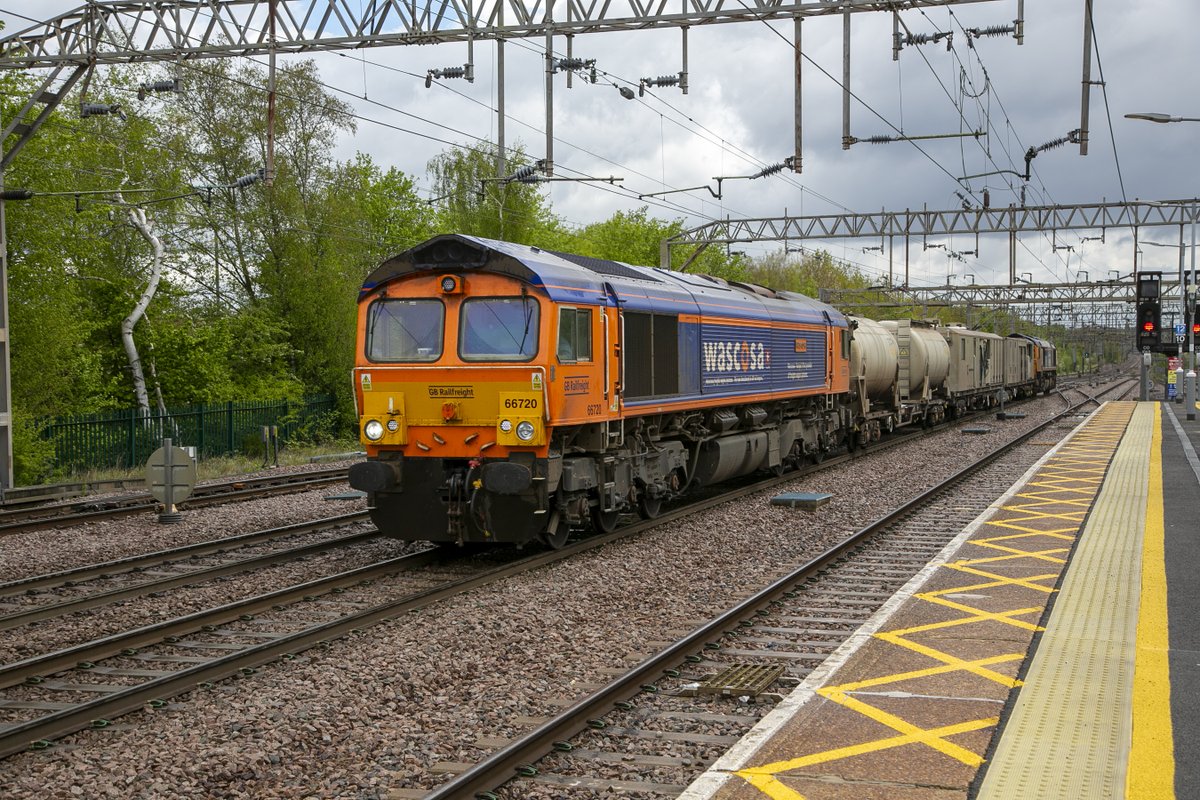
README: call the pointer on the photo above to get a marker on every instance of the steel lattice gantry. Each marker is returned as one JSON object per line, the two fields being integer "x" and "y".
{"x": 1012, "y": 219}
{"x": 124, "y": 31}
{"x": 1003, "y": 295}
{"x": 906, "y": 224}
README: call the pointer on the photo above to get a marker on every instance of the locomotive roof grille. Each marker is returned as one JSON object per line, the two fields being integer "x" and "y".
{"x": 605, "y": 267}
{"x": 448, "y": 252}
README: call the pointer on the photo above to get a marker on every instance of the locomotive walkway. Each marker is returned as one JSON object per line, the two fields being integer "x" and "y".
{"x": 1051, "y": 651}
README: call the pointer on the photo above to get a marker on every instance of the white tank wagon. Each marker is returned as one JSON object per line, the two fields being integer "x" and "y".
{"x": 924, "y": 359}
{"x": 873, "y": 359}
{"x": 874, "y": 363}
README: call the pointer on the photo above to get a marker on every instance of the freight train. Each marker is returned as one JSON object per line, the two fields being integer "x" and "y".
{"x": 512, "y": 394}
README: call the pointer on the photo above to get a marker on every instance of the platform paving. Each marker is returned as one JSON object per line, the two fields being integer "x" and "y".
{"x": 909, "y": 707}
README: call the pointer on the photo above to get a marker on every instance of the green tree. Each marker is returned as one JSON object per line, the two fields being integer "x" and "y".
{"x": 807, "y": 275}
{"x": 473, "y": 201}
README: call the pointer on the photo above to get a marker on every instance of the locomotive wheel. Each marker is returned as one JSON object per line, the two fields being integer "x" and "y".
{"x": 649, "y": 507}
{"x": 817, "y": 456}
{"x": 557, "y": 539}
{"x": 604, "y": 521}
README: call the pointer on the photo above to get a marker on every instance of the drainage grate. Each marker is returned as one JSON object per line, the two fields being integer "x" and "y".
{"x": 741, "y": 679}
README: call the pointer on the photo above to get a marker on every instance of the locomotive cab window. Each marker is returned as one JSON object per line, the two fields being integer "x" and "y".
{"x": 498, "y": 329}
{"x": 574, "y": 335}
{"x": 405, "y": 330}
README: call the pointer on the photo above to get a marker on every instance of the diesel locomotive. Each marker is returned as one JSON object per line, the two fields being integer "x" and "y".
{"x": 511, "y": 394}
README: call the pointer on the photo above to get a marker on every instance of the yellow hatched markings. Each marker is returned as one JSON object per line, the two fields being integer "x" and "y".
{"x": 1072, "y": 479}
{"x": 764, "y": 778}
{"x": 996, "y": 581}
{"x": 1053, "y": 555}
{"x": 1048, "y": 489}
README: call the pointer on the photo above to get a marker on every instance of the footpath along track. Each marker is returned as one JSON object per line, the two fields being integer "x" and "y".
{"x": 656, "y": 727}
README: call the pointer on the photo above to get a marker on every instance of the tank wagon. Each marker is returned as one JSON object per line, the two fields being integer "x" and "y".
{"x": 510, "y": 394}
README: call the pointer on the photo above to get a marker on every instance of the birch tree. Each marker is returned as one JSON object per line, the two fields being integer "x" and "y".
{"x": 139, "y": 220}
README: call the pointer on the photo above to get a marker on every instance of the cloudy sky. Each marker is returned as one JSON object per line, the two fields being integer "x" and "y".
{"x": 738, "y": 117}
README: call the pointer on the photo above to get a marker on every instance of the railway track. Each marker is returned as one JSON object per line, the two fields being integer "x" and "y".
{"x": 51, "y": 695}
{"x": 20, "y": 496}
{"x": 653, "y": 729}
{"x": 98, "y": 585}
{"x": 57, "y": 515}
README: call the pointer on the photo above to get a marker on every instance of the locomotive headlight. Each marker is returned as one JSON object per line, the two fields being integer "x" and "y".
{"x": 373, "y": 430}
{"x": 392, "y": 425}
{"x": 506, "y": 425}
{"x": 525, "y": 431}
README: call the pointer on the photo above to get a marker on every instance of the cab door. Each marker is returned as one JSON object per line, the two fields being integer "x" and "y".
{"x": 579, "y": 364}
{"x": 614, "y": 352}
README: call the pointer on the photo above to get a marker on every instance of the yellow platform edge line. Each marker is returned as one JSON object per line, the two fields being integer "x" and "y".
{"x": 1151, "y": 771}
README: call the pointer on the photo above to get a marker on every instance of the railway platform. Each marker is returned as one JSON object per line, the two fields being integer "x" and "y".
{"x": 1050, "y": 651}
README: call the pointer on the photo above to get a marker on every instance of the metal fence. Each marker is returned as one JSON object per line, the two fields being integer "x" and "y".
{"x": 125, "y": 439}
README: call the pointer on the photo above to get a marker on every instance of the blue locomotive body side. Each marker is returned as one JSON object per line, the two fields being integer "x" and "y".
{"x": 736, "y": 359}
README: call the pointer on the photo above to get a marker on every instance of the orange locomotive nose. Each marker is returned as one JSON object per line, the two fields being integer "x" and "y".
{"x": 449, "y": 411}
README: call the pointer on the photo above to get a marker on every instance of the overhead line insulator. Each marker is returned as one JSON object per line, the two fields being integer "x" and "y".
{"x": 991, "y": 30}
{"x": 100, "y": 110}
{"x": 774, "y": 168}
{"x": 660, "y": 81}
{"x": 448, "y": 72}
{"x": 930, "y": 38}
{"x": 154, "y": 87}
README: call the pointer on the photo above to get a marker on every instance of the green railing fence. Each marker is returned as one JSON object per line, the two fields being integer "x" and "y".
{"x": 125, "y": 439}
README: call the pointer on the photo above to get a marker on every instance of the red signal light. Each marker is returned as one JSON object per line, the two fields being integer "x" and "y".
{"x": 1196, "y": 328}
{"x": 1148, "y": 326}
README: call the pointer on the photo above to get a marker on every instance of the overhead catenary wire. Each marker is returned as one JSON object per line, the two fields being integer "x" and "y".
{"x": 676, "y": 207}
{"x": 672, "y": 206}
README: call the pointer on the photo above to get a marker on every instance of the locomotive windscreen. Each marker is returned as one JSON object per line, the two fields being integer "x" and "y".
{"x": 498, "y": 329}
{"x": 405, "y": 330}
